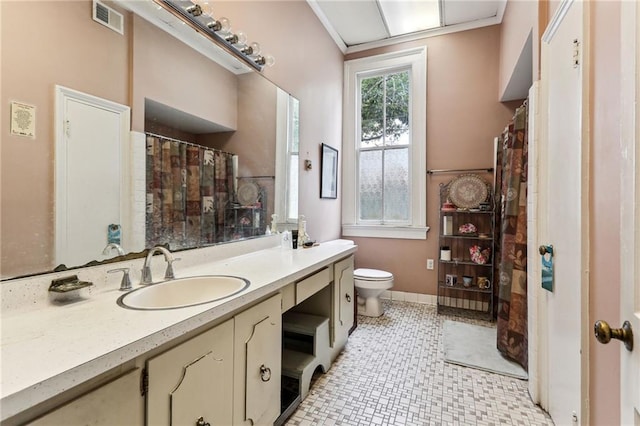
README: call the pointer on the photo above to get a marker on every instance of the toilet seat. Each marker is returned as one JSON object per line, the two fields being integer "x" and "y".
{"x": 365, "y": 274}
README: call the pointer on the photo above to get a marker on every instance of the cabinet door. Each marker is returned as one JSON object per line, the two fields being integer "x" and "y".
{"x": 343, "y": 302}
{"x": 116, "y": 403}
{"x": 193, "y": 380}
{"x": 258, "y": 352}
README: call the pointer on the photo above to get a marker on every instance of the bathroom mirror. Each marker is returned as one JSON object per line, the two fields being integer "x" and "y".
{"x": 34, "y": 66}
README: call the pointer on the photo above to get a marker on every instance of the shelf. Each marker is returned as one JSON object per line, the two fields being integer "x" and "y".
{"x": 466, "y": 313}
{"x": 444, "y": 212}
{"x": 463, "y": 288}
{"x": 466, "y": 237}
{"x": 464, "y": 262}
{"x": 455, "y": 298}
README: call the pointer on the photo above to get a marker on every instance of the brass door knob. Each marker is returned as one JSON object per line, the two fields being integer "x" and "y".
{"x": 604, "y": 333}
{"x": 545, "y": 250}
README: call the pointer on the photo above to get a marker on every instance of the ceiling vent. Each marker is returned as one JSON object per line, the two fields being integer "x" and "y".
{"x": 107, "y": 16}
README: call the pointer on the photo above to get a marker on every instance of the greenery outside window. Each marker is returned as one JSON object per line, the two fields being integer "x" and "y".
{"x": 384, "y": 146}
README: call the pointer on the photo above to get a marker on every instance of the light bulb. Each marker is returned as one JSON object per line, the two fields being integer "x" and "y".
{"x": 221, "y": 25}
{"x": 207, "y": 9}
{"x": 225, "y": 25}
{"x": 241, "y": 38}
{"x": 255, "y": 48}
{"x": 269, "y": 60}
{"x": 266, "y": 60}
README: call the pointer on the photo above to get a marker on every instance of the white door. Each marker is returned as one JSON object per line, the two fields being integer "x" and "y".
{"x": 90, "y": 158}
{"x": 564, "y": 213}
{"x": 630, "y": 211}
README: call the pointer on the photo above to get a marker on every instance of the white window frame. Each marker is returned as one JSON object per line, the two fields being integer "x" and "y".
{"x": 284, "y": 157}
{"x": 416, "y": 60}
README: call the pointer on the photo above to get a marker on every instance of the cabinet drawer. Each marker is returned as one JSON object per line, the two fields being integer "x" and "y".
{"x": 311, "y": 285}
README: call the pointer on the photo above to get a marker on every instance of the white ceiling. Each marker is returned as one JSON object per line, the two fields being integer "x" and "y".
{"x": 357, "y": 25}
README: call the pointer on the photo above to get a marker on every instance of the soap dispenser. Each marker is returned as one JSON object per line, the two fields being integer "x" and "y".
{"x": 274, "y": 223}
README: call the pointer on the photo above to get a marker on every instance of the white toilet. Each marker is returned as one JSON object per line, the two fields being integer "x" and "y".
{"x": 370, "y": 283}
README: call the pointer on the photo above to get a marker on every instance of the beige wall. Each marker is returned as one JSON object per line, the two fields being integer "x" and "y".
{"x": 86, "y": 56}
{"x": 604, "y": 285}
{"x": 520, "y": 18}
{"x": 255, "y": 140}
{"x": 165, "y": 70}
{"x": 309, "y": 66}
{"x": 463, "y": 117}
{"x": 41, "y": 47}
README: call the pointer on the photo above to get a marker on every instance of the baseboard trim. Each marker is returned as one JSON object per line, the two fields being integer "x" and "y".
{"x": 403, "y": 296}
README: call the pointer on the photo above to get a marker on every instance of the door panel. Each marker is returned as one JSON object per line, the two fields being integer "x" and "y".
{"x": 567, "y": 225}
{"x": 630, "y": 211}
{"x": 258, "y": 345}
{"x": 193, "y": 379}
{"x": 263, "y": 358}
{"x": 192, "y": 397}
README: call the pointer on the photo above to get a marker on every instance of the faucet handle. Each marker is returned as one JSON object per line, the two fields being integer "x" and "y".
{"x": 125, "y": 284}
{"x": 168, "y": 274}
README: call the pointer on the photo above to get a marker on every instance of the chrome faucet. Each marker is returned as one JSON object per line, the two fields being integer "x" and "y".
{"x": 146, "y": 268}
{"x": 115, "y": 247}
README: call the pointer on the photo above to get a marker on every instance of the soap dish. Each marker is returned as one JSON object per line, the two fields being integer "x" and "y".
{"x": 67, "y": 284}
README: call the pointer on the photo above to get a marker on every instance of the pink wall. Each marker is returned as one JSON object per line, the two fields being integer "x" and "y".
{"x": 165, "y": 70}
{"x": 520, "y": 18}
{"x": 309, "y": 66}
{"x": 463, "y": 117}
{"x": 34, "y": 59}
{"x": 604, "y": 285}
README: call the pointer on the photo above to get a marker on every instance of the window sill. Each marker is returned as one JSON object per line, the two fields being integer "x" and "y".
{"x": 381, "y": 231}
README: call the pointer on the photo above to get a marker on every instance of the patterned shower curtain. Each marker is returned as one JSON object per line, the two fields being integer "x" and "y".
{"x": 185, "y": 198}
{"x": 511, "y": 183}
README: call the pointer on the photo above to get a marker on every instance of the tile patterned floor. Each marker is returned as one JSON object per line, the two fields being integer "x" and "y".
{"x": 392, "y": 372}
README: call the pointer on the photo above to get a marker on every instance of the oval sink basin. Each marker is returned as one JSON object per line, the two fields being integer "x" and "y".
{"x": 183, "y": 292}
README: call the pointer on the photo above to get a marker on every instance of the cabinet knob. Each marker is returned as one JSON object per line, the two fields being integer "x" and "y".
{"x": 201, "y": 422}
{"x": 265, "y": 373}
{"x": 348, "y": 297}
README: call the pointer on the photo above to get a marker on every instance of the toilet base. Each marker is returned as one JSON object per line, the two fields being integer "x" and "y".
{"x": 370, "y": 307}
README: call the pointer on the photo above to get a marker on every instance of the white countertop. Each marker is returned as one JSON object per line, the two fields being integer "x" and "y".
{"x": 49, "y": 350}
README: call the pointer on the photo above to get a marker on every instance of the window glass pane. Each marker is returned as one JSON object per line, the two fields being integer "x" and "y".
{"x": 396, "y": 184}
{"x": 295, "y": 124}
{"x": 292, "y": 188}
{"x": 370, "y": 185}
{"x": 397, "y": 109}
{"x": 372, "y": 111}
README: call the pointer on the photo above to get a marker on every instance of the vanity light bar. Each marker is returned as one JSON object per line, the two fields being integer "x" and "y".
{"x": 218, "y": 30}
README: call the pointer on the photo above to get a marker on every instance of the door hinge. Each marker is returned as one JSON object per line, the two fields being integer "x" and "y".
{"x": 67, "y": 128}
{"x": 144, "y": 382}
{"x": 576, "y": 53}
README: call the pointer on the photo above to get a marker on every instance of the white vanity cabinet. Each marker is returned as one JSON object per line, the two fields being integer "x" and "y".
{"x": 116, "y": 403}
{"x": 193, "y": 380}
{"x": 257, "y": 349}
{"x": 344, "y": 300}
{"x": 227, "y": 375}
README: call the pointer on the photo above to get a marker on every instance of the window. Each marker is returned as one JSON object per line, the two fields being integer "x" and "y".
{"x": 384, "y": 191}
{"x": 287, "y": 158}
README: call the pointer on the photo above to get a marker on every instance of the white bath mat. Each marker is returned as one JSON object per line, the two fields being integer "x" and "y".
{"x": 475, "y": 346}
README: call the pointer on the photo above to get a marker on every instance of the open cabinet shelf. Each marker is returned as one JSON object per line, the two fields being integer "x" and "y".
{"x": 474, "y": 297}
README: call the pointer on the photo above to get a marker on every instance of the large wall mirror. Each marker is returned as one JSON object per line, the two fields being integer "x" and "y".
{"x": 204, "y": 125}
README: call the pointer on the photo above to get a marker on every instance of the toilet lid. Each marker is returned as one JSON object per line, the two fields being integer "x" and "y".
{"x": 372, "y": 274}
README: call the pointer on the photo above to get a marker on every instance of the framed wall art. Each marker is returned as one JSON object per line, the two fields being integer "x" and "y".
{"x": 329, "y": 172}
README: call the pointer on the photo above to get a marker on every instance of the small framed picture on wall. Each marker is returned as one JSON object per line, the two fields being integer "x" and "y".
{"x": 329, "y": 172}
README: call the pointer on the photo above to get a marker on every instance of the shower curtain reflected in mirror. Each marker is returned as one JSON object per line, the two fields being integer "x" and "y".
{"x": 188, "y": 188}
{"x": 511, "y": 191}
